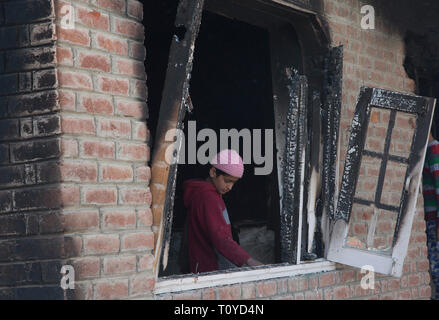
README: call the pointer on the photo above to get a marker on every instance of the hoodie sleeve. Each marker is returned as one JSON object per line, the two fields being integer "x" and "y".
{"x": 220, "y": 232}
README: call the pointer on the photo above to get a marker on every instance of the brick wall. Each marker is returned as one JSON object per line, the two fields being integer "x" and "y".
{"x": 29, "y": 144}
{"x": 102, "y": 86}
{"x": 372, "y": 58}
{"x": 75, "y": 152}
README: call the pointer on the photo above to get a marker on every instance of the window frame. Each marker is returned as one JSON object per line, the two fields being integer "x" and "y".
{"x": 181, "y": 283}
{"x": 189, "y": 16}
{"x": 423, "y": 108}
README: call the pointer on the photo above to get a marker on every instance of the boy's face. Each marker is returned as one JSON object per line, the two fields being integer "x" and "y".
{"x": 223, "y": 183}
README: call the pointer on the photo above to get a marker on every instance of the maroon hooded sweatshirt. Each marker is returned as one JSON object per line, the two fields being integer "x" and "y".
{"x": 209, "y": 232}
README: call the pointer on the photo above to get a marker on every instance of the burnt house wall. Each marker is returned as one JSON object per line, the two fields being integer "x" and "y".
{"x": 373, "y": 58}
{"x": 31, "y": 247}
{"x": 75, "y": 152}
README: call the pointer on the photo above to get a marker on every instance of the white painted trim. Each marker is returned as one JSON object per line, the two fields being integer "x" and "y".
{"x": 293, "y": 6}
{"x": 241, "y": 276}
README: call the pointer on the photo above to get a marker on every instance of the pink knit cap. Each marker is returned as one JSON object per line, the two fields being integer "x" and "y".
{"x": 229, "y": 162}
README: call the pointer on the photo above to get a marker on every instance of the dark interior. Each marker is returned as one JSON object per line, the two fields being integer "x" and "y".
{"x": 230, "y": 88}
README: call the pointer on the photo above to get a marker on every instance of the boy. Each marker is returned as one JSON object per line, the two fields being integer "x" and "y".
{"x": 430, "y": 181}
{"x": 210, "y": 243}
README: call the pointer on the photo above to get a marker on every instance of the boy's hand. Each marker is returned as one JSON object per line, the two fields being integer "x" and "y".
{"x": 253, "y": 262}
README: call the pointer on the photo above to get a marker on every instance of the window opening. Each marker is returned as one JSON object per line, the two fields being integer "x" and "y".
{"x": 276, "y": 45}
{"x": 231, "y": 89}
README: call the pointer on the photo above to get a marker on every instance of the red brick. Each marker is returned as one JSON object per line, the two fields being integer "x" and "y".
{"x": 140, "y": 131}
{"x": 138, "y": 241}
{"x": 425, "y": 292}
{"x": 313, "y": 295}
{"x": 145, "y": 262}
{"x": 74, "y": 36}
{"x": 70, "y": 195}
{"x": 136, "y": 109}
{"x": 328, "y": 294}
{"x": 67, "y": 100}
{"x": 139, "y": 89}
{"x": 111, "y": 289}
{"x": 142, "y": 284}
{"x": 78, "y": 125}
{"x": 128, "y": 28}
{"x": 135, "y": 195}
{"x": 143, "y": 174}
{"x": 414, "y": 280}
{"x": 80, "y": 220}
{"x": 229, "y": 293}
{"x": 404, "y": 295}
{"x": 78, "y": 171}
{"x": 298, "y": 284}
{"x": 98, "y": 149}
{"x": 358, "y": 291}
{"x": 95, "y": 104}
{"x": 299, "y": 296}
{"x": 144, "y": 217}
{"x": 422, "y": 265}
{"x": 137, "y": 50}
{"x": 94, "y": 61}
{"x": 341, "y": 293}
{"x": 114, "y": 128}
{"x": 131, "y": 151}
{"x": 113, "y": 85}
{"x": 93, "y": 18}
{"x": 248, "y": 291}
{"x": 130, "y": 68}
{"x": 326, "y": 280}
{"x": 75, "y": 80}
{"x": 116, "y": 173}
{"x": 388, "y": 296}
{"x": 190, "y": 295}
{"x": 135, "y": 9}
{"x": 101, "y": 243}
{"x": 64, "y": 56}
{"x": 118, "y": 218}
{"x": 100, "y": 195}
{"x": 266, "y": 289}
{"x": 119, "y": 264}
{"x": 112, "y": 44}
{"x": 384, "y": 227}
{"x": 393, "y": 284}
{"x": 415, "y": 293}
{"x": 69, "y": 148}
{"x": 117, "y": 6}
{"x": 86, "y": 267}
{"x": 347, "y": 275}
{"x": 208, "y": 294}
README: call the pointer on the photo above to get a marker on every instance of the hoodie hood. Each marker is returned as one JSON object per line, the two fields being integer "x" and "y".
{"x": 194, "y": 188}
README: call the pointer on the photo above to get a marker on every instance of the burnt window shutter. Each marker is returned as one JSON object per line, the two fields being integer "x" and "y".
{"x": 332, "y": 95}
{"x": 175, "y": 102}
{"x": 294, "y": 167}
{"x": 385, "y": 154}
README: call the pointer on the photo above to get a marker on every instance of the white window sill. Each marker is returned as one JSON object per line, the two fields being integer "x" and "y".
{"x": 191, "y": 282}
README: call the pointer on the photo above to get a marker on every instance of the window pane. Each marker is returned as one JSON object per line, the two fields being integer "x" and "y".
{"x": 368, "y": 178}
{"x": 377, "y": 129}
{"x": 393, "y": 183}
{"x": 402, "y": 135}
